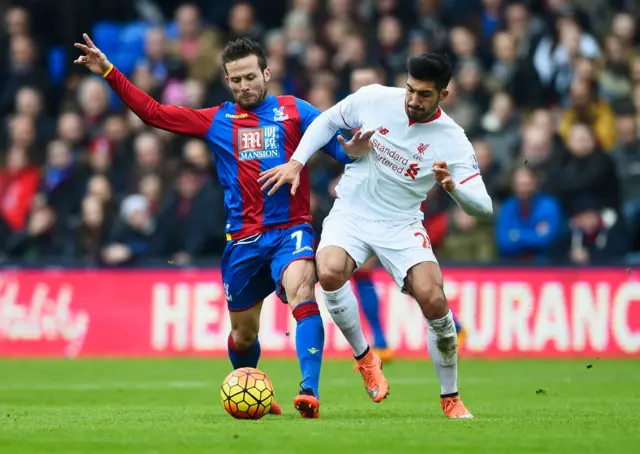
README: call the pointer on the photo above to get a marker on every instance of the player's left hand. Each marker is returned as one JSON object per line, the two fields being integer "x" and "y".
{"x": 359, "y": 144}
{"x": 443, "y": 176}
{"x": 280, "y": 175}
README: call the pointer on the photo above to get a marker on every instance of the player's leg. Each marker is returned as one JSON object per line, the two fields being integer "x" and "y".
{"x": 408, "y": 257}
{"x": 294, "y": 272}
{"x": 339, "y": 253}
{"x": 425, "y": 283}
{"x": 371, "y": 307}
{"x": 243, "y": 344}
{"x": 247, "y": 281}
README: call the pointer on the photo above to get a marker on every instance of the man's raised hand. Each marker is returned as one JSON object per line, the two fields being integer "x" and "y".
{"x": 93, "y": 59}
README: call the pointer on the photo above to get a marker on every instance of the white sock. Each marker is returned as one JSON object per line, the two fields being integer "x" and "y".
{"x": 343, "y": 307}
{"x": 443, "y": 348}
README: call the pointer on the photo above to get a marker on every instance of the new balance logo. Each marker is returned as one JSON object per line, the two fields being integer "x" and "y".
{"x": 382, "y": 130}
{"x": 412, "y": 171}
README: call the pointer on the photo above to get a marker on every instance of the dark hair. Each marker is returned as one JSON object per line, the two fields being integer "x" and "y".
{"x": 185, "y": 166}
{"x": 431, "y": 67}
{"x": 241, "y": 48}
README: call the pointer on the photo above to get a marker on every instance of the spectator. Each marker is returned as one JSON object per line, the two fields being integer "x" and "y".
{"x": 588, "y": 108}
{"x": 196, "y": 45}
{"x": 585, "y": 170}
{"x": 62, "y": 184}
{"x": 529, "y": 221}
{"x": 19, "y": 181}
{"x": 71, "y": 131}
{"x": 187, "y": 226}
{"x": 596, "y": 235}
{"x": 22, "y": 70}
{"x": 162, "y": 66}
{"x": 513, "y": 75}
{"x": 42, "y": 239}
{"x": 502, "y": 128}
{"x": 29, "y": 103}
{"x": 626, "y": 153}
{"x": 131, "y": 237}
{"x": 492, "y": 171}
{"x": 92, "y": 234}
{"x": 151, "y": 188}
{"x": 149, "y": 159}
{"x": 468, "y": 239}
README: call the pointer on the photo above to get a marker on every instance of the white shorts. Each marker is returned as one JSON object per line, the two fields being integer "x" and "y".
{"x": 398, "y": 246}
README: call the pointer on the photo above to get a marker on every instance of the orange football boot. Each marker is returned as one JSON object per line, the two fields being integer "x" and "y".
{"x": 454, "y": 408}
{"x": 275, "y": 408}
{"x": 307, "y": 404}
{"x": 385, "y": 354}
{"x": 370, "y": 367}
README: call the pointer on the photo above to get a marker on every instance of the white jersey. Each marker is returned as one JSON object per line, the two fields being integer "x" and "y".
{"x": 392, "y": 181}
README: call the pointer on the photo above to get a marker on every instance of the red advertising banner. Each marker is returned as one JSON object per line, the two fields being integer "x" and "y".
{"x": 507, "y": 312}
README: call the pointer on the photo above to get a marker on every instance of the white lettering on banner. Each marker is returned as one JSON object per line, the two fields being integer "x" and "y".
{"x": 590, "y": 317}
{"x": 44, "y": 317}
{"x": 516, "y": 307}
{"x": 551, "y": 322}
{"x": 628, "y": 341}
{"x": 205, "y": 314}
{"x": 478, "y": 315}
{"x": 170, "y": 314}
{"x": 189, "y": 317}
{"x": 507, "y": 317}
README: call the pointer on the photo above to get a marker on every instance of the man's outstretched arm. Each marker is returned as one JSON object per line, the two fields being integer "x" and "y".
{"x": 180, "y": 120}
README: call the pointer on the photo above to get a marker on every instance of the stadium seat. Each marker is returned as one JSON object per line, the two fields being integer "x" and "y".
{"x": 106, "y": 35}
{"x": 132, "y": 37}
{"x": 57, "y": 64}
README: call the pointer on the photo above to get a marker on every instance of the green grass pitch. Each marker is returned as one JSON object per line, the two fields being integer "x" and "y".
{"x": 173, "y": 406}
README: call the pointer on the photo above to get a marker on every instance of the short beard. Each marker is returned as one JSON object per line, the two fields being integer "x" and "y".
{"x": 262, "y": 96}
{"x": 427, "y": 114}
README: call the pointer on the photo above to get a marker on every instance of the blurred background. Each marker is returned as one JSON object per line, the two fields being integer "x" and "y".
{"x": 548, "y": 91}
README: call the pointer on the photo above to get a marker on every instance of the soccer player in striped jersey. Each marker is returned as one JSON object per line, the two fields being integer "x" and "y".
{"x": 270, "y": 240}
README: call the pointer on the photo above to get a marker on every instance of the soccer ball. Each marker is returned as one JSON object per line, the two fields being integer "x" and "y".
{"x": 247, "y": 393}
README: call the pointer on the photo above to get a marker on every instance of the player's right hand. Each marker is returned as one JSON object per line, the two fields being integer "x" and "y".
{"x": 359, "y": 144}
{"x": 280, "y": 175}
{"x": 93, "y": 59}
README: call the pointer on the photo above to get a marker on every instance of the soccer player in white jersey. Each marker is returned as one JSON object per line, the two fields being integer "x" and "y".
{"x": 415, "y": 145}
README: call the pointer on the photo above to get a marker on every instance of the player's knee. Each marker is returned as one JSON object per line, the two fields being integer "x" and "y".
{"x": 299, "y": 282}
{"x": 334, "y": 267}
{"x": 244, "y": 328}
{"x": 430, "y": 296}
{"x": 243, "y": 337}
{"x": 331, "y": 276}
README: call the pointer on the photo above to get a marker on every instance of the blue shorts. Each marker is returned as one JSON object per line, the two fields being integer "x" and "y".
{"x": 252, "y": 267}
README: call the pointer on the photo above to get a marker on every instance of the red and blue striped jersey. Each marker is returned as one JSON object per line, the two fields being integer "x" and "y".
{"x": 244, "y": 143}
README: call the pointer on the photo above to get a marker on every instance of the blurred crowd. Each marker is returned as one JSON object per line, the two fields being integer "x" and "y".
{"x": 548, "y": 92}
